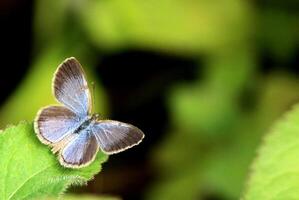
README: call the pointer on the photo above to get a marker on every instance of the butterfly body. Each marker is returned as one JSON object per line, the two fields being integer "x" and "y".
{"x": 86, "y": 124}
{"x": 71, "y": 129}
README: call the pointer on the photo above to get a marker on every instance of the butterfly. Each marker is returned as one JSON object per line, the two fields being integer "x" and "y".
{"x": 71, "y": 130}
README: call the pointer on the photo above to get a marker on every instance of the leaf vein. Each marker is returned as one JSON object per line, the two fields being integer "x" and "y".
{"x": 34, "y": 174}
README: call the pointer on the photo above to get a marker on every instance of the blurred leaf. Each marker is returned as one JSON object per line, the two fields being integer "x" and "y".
{"x": 208, "y": 107}
{"x": 230, "y": 159}
{"x": 185, "y": 186}
{"x": 275, "y": 24}
{"x": 174, "y": 157}
{"x": 221, "y": 164}
{"x": 275, "y": 172}
{"x": 278, "y": 94}
{"x": 29, "y": 170}
{"x": 183, "y": 26}
{"x": 49, "y": 26}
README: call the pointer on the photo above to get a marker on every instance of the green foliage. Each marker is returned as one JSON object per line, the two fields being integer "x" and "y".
{"x": 28, "y": 169}
{"x": 209, "y": 105}
{"x": 217, "y": 161}
{"x": 213, "y": 133}
{"x": 177, "y": 26}
{"x": 275, "y": 173}
{"x": 275, "y": 24}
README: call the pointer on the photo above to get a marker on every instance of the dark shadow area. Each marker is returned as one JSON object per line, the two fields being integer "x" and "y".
{"x": 16, "y": 43}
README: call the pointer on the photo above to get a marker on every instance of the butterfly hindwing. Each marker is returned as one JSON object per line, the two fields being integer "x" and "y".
{"x": 114, "y": 136}
{"x": 70, "y": 87}
{"x": 80, "y": 151}
{"x": 53, "y": 123}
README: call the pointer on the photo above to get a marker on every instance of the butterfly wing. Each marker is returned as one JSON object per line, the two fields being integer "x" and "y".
{"x": 53, "y": 123}
{"x": 70, "y": 87}
{"x": 80, "y": 151}
{"x": 113, "y": 136}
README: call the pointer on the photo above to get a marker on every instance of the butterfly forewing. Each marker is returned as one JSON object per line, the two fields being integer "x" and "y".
{"x": 114, "y": 136}
{"x": 53, "y": 123}
{"x": 80, "y": 151}
{"x": 70, "y": 87}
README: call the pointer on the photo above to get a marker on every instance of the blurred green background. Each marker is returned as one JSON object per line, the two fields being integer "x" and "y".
{"x": 203, "y": 79}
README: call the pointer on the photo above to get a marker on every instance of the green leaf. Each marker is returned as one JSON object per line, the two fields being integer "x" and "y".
{"x": 28, "y": 169}
{"x": 275, "y": 172}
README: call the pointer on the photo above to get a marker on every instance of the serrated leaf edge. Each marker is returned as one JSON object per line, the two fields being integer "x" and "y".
{"x": 263, "y": 142}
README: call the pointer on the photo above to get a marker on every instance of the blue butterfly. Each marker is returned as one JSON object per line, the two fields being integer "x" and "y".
{"x": 71, "y": 130}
